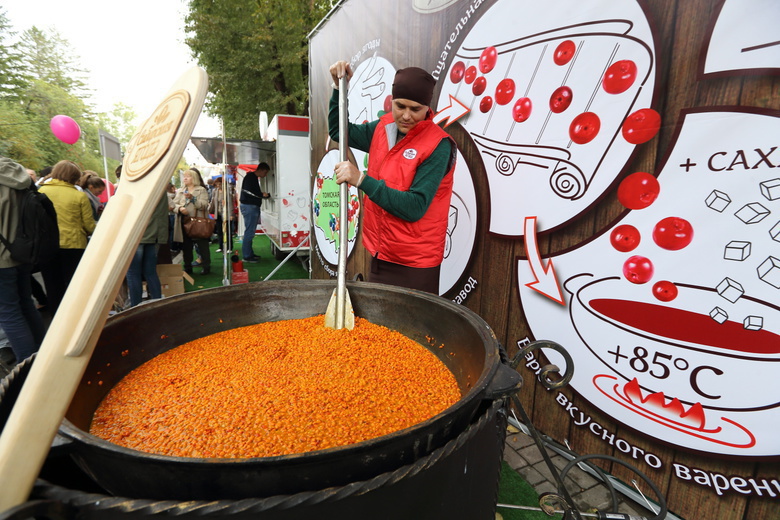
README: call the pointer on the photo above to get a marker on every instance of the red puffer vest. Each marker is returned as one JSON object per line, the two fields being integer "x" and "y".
{"x": 413, "y": 244}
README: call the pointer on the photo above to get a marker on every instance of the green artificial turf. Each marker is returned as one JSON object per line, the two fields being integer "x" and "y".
{"x": 514, "y": 490}
{"x": 292, "y": 269}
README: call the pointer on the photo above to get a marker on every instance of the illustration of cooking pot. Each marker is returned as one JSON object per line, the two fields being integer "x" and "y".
{"x": 675, "y": 349}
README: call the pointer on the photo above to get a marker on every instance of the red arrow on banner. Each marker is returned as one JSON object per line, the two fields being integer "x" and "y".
{"x": 546, "y": 283}
{"x": 451, "y": 113}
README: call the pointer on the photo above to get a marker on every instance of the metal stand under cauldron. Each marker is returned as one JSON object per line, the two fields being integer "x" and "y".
{"x": 446, "y": 467}
{"x": 456, "y": 481}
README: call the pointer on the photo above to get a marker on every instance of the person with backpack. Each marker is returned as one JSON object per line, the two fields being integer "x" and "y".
{"x": 74, "y": 217}
{"x": 19, "y": 318}
{"x": 39, "y": 294}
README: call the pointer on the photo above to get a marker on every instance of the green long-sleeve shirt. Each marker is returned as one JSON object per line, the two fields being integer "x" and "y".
{"x": 409, "y": 205}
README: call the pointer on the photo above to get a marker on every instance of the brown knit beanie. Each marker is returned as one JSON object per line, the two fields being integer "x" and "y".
{"x": 414, "y": 84}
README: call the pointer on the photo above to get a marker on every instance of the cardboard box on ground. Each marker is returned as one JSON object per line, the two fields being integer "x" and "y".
{"x": 172, "y": 278}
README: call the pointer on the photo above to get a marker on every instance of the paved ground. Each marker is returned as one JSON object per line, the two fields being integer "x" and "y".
{"x": 587, "y": 492}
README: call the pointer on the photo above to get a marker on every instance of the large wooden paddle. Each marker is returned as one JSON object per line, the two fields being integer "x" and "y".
{"x": 153, "y": 154}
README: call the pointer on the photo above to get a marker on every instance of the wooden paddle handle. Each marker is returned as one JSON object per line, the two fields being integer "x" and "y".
{"x": 154, "y": 153}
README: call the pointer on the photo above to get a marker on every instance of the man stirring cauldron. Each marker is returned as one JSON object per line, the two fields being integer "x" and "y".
{"x": 408, "y": 185}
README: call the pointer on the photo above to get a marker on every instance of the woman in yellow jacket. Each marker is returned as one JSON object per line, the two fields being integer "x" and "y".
{"x": 74, "y": 218}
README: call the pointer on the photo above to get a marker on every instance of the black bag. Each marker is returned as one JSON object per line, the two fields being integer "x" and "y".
{"x": 37, "y": 234}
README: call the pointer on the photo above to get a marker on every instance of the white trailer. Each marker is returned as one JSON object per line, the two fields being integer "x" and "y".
{"x": 285, "y": 218}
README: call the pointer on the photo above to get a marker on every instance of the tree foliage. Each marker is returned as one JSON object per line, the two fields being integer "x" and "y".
{"x": 40, "y": 77}
{"x": 119, "y": 122}
{"x": 12, "y": 75}
{"x": 50, "y": 58}
{"x": 19, "y": 138}
{"x": 256, "y": 55}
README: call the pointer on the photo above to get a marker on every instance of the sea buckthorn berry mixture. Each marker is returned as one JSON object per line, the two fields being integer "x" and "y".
{"x": 276, "y": 388}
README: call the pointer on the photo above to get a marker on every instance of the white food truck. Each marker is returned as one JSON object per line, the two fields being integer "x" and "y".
{"x": 285, "y": 217}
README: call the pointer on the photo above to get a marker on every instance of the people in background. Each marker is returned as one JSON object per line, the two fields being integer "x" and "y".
{"x": 170, "y": 191}
{"x": 191, "y": 200}
{"x": 93, "y": 186}
{"x": 76, "y": 223}
{"x": 210, "y": 187}
{"x": 38, "y": 292}
{"x": 19, "y": 318}
{"x": 251, "y": 199}
{"x": 143, "y": 266}
{"x": 43, "y": 175}
{"x": 216, "y": 207}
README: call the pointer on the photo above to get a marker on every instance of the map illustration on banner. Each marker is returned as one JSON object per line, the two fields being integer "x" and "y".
{"x": 325, "y": 209}
{"x": 672, "y": 316}
{"x": 556, "y": 112}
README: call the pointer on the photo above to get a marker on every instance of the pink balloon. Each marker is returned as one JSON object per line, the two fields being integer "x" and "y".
{"x": 65, "y": 129}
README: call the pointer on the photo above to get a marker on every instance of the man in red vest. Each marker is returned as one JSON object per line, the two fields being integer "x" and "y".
{"x": 408, "y": 184}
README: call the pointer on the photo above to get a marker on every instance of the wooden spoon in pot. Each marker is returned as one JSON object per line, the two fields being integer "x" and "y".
{"x": 339, "y": 314}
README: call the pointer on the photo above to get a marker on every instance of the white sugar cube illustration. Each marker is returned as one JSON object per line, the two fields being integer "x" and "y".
{"x": 730, "y": 289}
{"x": 753, "y": 323}
{"x": 719, "y": 315}
{"x": 452, "y": 220}
{"x": 771, "y": 189}
{"x": 769, "y": 271}
{"x": 718, "y": 201}
{"x": 775, "y": 232}
{"x": 752, "y": 213}
{"x": 737, "y": 250}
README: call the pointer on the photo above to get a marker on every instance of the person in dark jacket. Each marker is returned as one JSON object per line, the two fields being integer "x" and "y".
{"x": 251, "y": 199}
{"x": 19, "y": 318}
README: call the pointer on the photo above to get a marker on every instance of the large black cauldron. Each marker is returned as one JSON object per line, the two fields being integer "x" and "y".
{"x": 135, "y": 336}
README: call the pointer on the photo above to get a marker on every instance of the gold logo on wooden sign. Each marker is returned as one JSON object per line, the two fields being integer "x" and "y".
{"x": 155, "y": 136}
